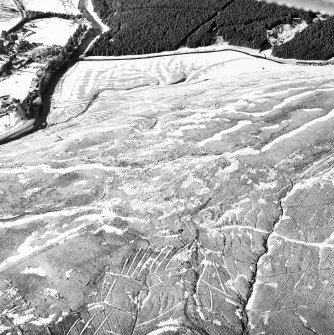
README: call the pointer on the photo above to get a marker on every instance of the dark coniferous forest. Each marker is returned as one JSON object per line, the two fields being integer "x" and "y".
{"x": 147, "y": 26}
{"x": 315, "y": 42}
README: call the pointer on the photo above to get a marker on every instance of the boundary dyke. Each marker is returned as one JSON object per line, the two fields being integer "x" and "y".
{"x": 243, "y": 50}
{"x": 39, "y": 121}
{"x": 32, "y": 125}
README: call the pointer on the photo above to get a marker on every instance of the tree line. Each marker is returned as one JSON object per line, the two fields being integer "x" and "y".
{"x": 245, "y": 23}
{"x": 148, "y": 26}
{"x": 316, "y": 42}
{"x": 34, "y": 15}
{"x": 59, "y": 57}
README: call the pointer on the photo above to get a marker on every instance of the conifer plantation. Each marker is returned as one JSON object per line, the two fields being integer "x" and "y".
{"x": 148, "y": 26}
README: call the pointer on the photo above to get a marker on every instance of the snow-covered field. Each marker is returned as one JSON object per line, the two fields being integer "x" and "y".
{"x": 93, "y": 76}
{"x": 50, "y": 31}
{"x": 44, "y": 32}
{"x": 56, "y": 6}
{"x": 40, "y": 31}
{"x": 261, "y": 91}
{"x": 10, "y": 15}
{"x": 18, "y": 84}
{"x": 175, "y": 158}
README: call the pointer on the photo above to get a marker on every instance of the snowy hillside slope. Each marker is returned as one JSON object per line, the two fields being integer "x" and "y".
{"x": 199, "y": 207}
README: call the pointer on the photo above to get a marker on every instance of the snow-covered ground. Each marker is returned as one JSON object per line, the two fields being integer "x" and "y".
{"x": 10, "y": 15}
{"x": 95, "y": 75}
{"x": 109, "y": 81}
{"x": 56, "y": 6}
{"x": 50, "y": 31}
{"x": 8, "y": 121}
{"x": 45, "y": 32}
{"x": 147, "y": 159}
{"x": 98, "y": 74}
{"x": 18, "y": 84}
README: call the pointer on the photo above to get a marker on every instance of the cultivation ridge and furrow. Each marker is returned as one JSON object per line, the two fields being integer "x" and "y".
{"x": 173, "y": 196}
